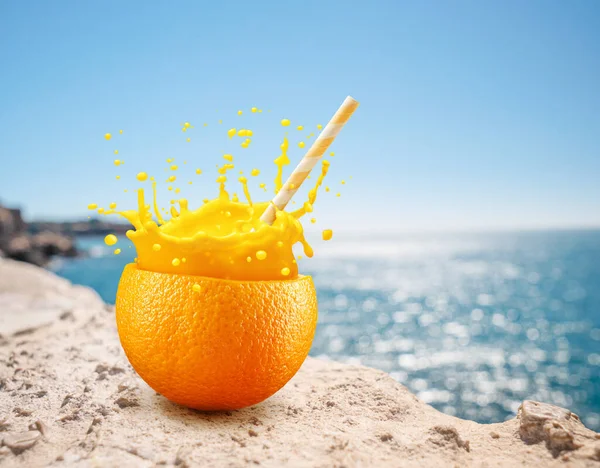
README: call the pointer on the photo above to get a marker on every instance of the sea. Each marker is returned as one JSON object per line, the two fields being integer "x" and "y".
{"x": 473, "y": 324}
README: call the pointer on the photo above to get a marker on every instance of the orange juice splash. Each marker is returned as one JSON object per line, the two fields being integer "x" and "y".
{"x": 224, "y": 237}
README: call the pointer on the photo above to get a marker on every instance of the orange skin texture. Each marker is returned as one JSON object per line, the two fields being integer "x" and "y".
{"x": 231, "y": 345}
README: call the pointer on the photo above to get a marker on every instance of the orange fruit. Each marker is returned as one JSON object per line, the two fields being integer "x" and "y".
{"x": 225, "y": 345}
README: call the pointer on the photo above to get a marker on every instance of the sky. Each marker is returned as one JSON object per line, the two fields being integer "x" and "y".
{"x": 473, "y": 115}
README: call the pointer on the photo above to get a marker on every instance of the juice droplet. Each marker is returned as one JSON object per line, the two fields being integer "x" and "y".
{"x": 300, "y": 128}
{"x": 172, "y": 178}
{"x": 183, "y": 260}
{"x": 248, "y": 259}
{"x": 198, "y": 171}
{"x": 332, "y": 154}
{"x": 177, "y": 190}
{"x": 263, "y": 186}
{"x": 118, "y": 177}
{"x": 188, "y": 140}
{"x": 225, "y": 168}
{"x": 142, "y": 176}
{"x": 240, "y": 112}
{"x": 245, "y": 143}
{"x": 285, "y": 122}
{"x": 196, "y": 287}
{"x": 112, "y": 206}
{"x": 279, "y": 244}
{"x": 242, "y": 132}
{"x": 228, "y": 157}
{"x": 313, "y": 220}
{"x": 244, "y": 183}
{"x": 285, "y": 271}
{"x": 338, "y": 194}
{"x": 327, "y": 189}
{"x": 312, "y": 193}
{"x": 261, "y": 255}
{"x": 343, "y": 182}
{"x": 174, "y": 167}
{"x": 175, "y": 262}
{"x": 117, "y": 162}
{"x": 319, "y": 126}
{"x": 111, "y": 239}
{"x": 231, "y": 132}
{"x": 117, "y": 251}
{"x": 220, "y": 121}
{"x": 254, "y": 172}
{"x": 169, "y": 160}
{"x": 186, "y": 125}
{"x": 92, "y": 206}
{"x": 116, "y": 151}
{"x": 301, "y": 144}
{"x": 100, "y": 210}
{"x": 121, "y": 132}
{"x": 327, "y": 234}
{"x": 156, "y": 247}
{"x": 281, "y": 161}
{"x": 254, "y": 109}
{"x": 108, "y": 136}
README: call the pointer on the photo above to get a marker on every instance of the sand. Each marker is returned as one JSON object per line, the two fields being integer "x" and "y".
{"x": 68, "y": 397}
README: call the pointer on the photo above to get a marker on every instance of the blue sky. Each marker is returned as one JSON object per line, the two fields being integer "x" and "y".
{"x": 473, "y": 114}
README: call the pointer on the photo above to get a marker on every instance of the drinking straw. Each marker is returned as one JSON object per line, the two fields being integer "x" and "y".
{"x": 310, "y": 159}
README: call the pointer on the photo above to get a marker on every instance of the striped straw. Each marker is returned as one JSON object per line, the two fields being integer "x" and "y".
{"x": 310, "y": 159}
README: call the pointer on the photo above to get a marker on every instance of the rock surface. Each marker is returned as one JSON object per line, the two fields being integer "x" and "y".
{"x": 68, "y": 397}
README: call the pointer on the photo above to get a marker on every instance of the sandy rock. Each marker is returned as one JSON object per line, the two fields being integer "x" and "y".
{"x": 559, "y": 428}
{"x": 18, "y": 442}
{"x": 33, "y": 298}
{"x": 69, "y": 397}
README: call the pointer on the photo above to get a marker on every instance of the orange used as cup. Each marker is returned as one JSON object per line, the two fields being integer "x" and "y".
{"x": 219, "y": 345}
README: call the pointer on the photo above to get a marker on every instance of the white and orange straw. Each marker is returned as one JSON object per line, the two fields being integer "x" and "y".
{"x": 310, "y": 159}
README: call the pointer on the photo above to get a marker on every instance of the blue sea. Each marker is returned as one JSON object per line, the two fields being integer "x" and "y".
{"x": 472, "y": 323}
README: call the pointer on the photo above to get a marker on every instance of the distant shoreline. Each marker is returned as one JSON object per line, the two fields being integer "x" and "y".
{"x": 37, "y": 242}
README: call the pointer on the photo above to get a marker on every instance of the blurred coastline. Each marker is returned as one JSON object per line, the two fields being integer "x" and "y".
{"x": 37, "y": 242}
